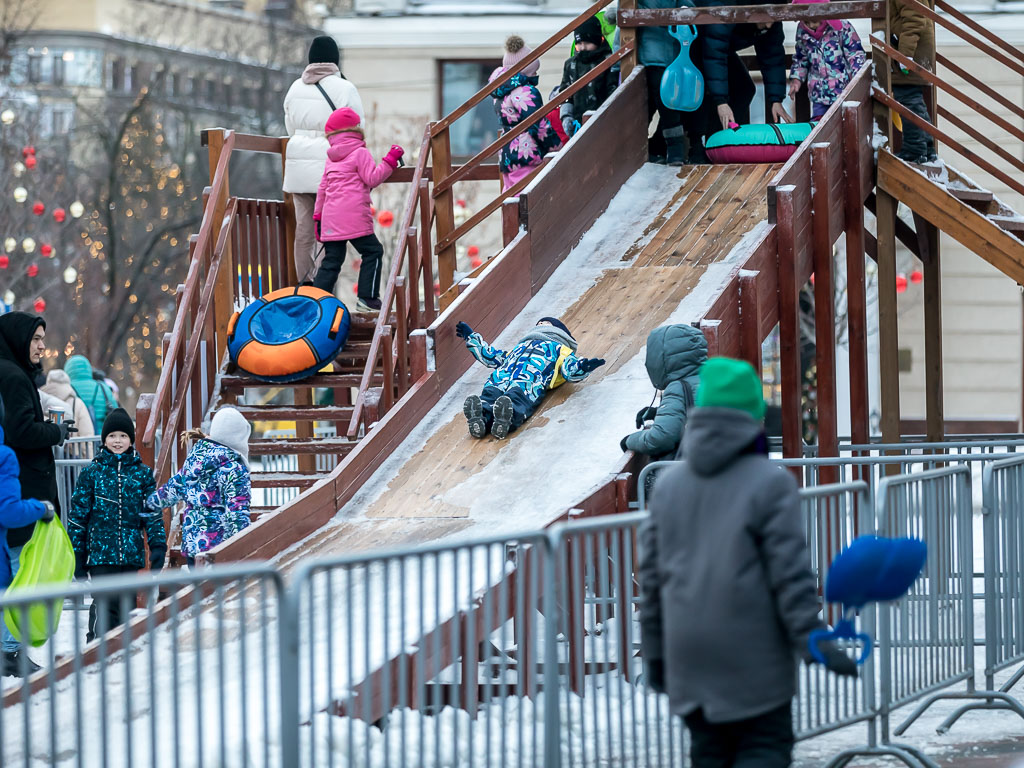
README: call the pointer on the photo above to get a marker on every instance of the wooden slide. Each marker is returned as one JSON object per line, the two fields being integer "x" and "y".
{"x": 660, "y": 253}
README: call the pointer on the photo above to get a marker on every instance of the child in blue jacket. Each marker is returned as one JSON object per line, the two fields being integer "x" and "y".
{"x": 15, "y": 512}
{"x": 543, "y": 359}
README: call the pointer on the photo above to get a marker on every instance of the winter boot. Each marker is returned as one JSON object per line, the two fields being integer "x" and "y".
{"x": 368, "y": 305}
{"x": 696, "y": 154}
{"x": 12, "y": 664}
{"x": 474, "y": 410}
{"x": 675, "y": 152}
{"x": 502, "y": 417}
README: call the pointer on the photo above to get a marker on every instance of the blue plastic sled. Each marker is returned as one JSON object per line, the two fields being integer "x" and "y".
{"x": 871, "y": 570}
{"x": 682, "y": 85}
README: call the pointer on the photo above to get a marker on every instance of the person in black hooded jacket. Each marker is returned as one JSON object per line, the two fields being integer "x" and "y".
{"x": 22, "y": 342}
{"x": 728, "y": 87}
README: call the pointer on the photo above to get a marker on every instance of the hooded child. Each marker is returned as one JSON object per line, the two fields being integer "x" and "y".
{"x": 108, "y": 517}
{"x": 828, "y": 54}
{"x": 213, "y": 483}
{"x": 545, "y": 358}
{"x": 343, "y": 214}
{"x": 727, "y": 596}
{"x": 591, "y": 50}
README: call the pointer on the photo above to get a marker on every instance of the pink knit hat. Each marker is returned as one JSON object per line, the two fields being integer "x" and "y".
{"x": 341, "y": 119}
{"x": 836, "y": 24}
{"x": 516, "y": 50}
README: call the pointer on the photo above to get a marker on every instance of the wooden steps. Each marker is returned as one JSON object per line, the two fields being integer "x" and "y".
{"x": 286, "y": 479}
{"x": 259, "y": 413}
{"x": 991, "y": 233}
{"x": 239, "y": 381}
{"x": 286, "y": 446}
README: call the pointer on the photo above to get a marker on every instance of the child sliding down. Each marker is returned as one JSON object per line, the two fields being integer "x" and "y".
{"x": 543, "y": 359}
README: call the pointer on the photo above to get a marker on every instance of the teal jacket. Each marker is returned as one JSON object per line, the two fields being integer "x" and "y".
{"x": 656, "y": 47}
{"x": 675, "y": 354}
{"x": 95, "y": 394}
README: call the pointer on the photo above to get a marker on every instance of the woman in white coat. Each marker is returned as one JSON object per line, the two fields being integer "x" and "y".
{"x": 309, "y": 102}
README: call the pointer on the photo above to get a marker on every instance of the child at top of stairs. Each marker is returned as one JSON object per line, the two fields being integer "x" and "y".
{"x": 591, "y": 50}
{"x": 342, "y": 212}
{"x": 828, "y": 55}
{"x": 914, "y": 35}
{"x": 543, "y": 359}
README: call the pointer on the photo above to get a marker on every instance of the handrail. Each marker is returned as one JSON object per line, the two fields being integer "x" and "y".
{"x": 196, "y": 337}
{"x": 752, "y": 14}
{"x": 967, "y": 21}
{"x": 397, "y": 263}
{"x": 217, "y": 188}
{"x": 444, "y": 123}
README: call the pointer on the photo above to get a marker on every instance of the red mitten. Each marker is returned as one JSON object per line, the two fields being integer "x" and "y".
{"x": 394, "y": 155}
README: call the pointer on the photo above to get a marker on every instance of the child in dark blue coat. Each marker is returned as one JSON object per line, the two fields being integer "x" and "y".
{"x": 15, "y": 512}
{"x": 543, "y": 359}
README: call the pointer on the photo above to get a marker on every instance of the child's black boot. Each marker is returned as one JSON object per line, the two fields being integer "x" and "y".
{"x": 474, "y": 410}
{"x": 502, "y": 417}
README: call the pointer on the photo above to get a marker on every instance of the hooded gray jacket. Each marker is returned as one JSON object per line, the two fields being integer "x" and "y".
{"x": 727, "y": 595}
{"x": 675, "y": 354}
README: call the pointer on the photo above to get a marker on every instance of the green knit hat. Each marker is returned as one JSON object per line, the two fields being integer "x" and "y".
{"x": 728, "y": 383}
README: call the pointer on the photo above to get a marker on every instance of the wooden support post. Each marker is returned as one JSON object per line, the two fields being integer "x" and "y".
{"x": 444, "y": 210}
{"x": 710, "y": 330}
{"x": 401, "y": 336}
{"x": 412, "y": 279}
{"x": 883, "y": 71}
{"x": 143, "y": 413}
{"x": 224, "y": 294}
{"x": 888, "y": 323}
{"x": 856, "y": 284}
{"x": 627, "y": 36}
{"x": 824, "y": 310}
{"x": 789, "y": 326}
{"x": 750, "y": 319}
{"x": 935, "y": 409}
{"x": 427, "y": 252}
{"x": 289, "y": 221}
{"x": 306, "y": 429}
{"x": 387, "y": 351}
{"x": 418, "y": 354}
{"x": 509, "y": 220}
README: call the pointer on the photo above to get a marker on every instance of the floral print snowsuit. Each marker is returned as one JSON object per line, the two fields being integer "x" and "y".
{"x": 515, "y": 101}
{"x": 214, "y": 483}
{"x": 827, "y": 60}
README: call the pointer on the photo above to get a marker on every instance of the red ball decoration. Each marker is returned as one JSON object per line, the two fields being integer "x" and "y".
{"x": 30, "y": 162}
{"x": 46, "y": 249}
{"x": 916, "y": 276}
{"x": 386, "y": 218}
{"x": 38, "y": 208}
{"x": 476, "y": 261}
{"x": 901, "y": 284}
{"x": 461, "y": 203}
{"x": 473, "y": 251}
{"x": 28, "y": 151}
{"x": 32, "y": 270}
{"x": 59, "y": 214}
{"x": 39, "y": 306}
{"x": 5, "y": 261}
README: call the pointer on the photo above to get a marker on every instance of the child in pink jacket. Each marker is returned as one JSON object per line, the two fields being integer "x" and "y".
{"x": 342, "y": 213}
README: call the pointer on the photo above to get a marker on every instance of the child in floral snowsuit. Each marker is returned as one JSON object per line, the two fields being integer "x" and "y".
{"x": 827, "y": 57}
{"x": 214, "y": 483}
{"x": 515, "y": 101}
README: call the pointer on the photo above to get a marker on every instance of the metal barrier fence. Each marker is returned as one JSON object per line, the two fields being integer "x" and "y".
{"x": 512, "y": 651}
{"x": 70, "y": 459}
{"x": 192, "y": 680}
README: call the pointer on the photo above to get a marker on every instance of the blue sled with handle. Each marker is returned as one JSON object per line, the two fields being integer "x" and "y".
{"x": 682, "y": 85}
{"x": 872, "y": 569}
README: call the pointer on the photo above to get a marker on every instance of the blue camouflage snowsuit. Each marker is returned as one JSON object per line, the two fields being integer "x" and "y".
{"x": 543, "y": 359}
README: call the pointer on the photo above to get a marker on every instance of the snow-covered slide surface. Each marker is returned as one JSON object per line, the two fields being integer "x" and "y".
{"x": 660, "y": 253}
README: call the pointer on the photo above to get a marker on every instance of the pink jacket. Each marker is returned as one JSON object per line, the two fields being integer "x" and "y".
{"x": 343, "y": 200}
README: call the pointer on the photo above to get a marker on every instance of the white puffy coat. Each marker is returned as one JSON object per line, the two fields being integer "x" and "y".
{"x": 305, "y": 113}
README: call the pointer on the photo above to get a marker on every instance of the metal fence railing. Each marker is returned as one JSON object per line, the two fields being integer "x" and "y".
{"x": 513, "y": 651}
{"x": 71, "y": 458}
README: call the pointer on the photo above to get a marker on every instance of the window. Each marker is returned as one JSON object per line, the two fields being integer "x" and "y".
{"x": 58, "y": 69}
{"x": 63, "y": 117}
{"x": 459, "y": 81}
{"x": 35, "y": 68}
{"x": 210, "y": 91}
{"x": 117, "y": 75}
{"x": 81, "y": 67}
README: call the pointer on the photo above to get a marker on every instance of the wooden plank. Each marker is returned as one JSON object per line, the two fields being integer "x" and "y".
{"x": 856, "y": 281}
{"x": 627, "y": 37}
{"x": 406, "y": 174}
{"x": 576, "y": 184}
{"x": 751, "y": 14}
{"x": 824, "y": 309}
{"x": 888, "y": 323}
{"x": 750, "y": 319}
{"x": 963, "y": 223}
{"x": 789, "y": 326}
{"x": 444, "y": 208}
{"x": 306, "y": 413}
{"x": 933, "y": 394}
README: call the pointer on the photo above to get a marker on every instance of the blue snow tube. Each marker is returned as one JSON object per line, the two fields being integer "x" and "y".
{"x": 288, "y": 334}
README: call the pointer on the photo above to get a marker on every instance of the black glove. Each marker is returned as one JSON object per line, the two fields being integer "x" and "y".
{"x": 63, "y": 427}
{"x": 588, "y": 364}
{"x": 156, "y": 558}
{"x": 81, "y": 570}
{"x": 654, "y": 673}
{"x": 836, "y": 660}
{"x": 48, "y": 514}
{"x": 622, "y": 444}
{"x": 645, "y": 414}
{"x": 72, "y": 429}
{"x": 316, "y": 228}
{"x": 463, "y": 331}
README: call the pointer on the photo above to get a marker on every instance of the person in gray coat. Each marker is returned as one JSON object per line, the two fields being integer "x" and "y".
{"x": 728, "y": 599}
{"x": 675, "y": 354}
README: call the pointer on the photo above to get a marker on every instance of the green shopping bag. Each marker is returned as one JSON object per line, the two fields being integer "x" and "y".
{"x": 47, "y": 559}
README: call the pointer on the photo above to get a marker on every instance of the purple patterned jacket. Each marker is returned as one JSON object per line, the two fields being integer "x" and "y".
{"x": 827, "y": 60}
